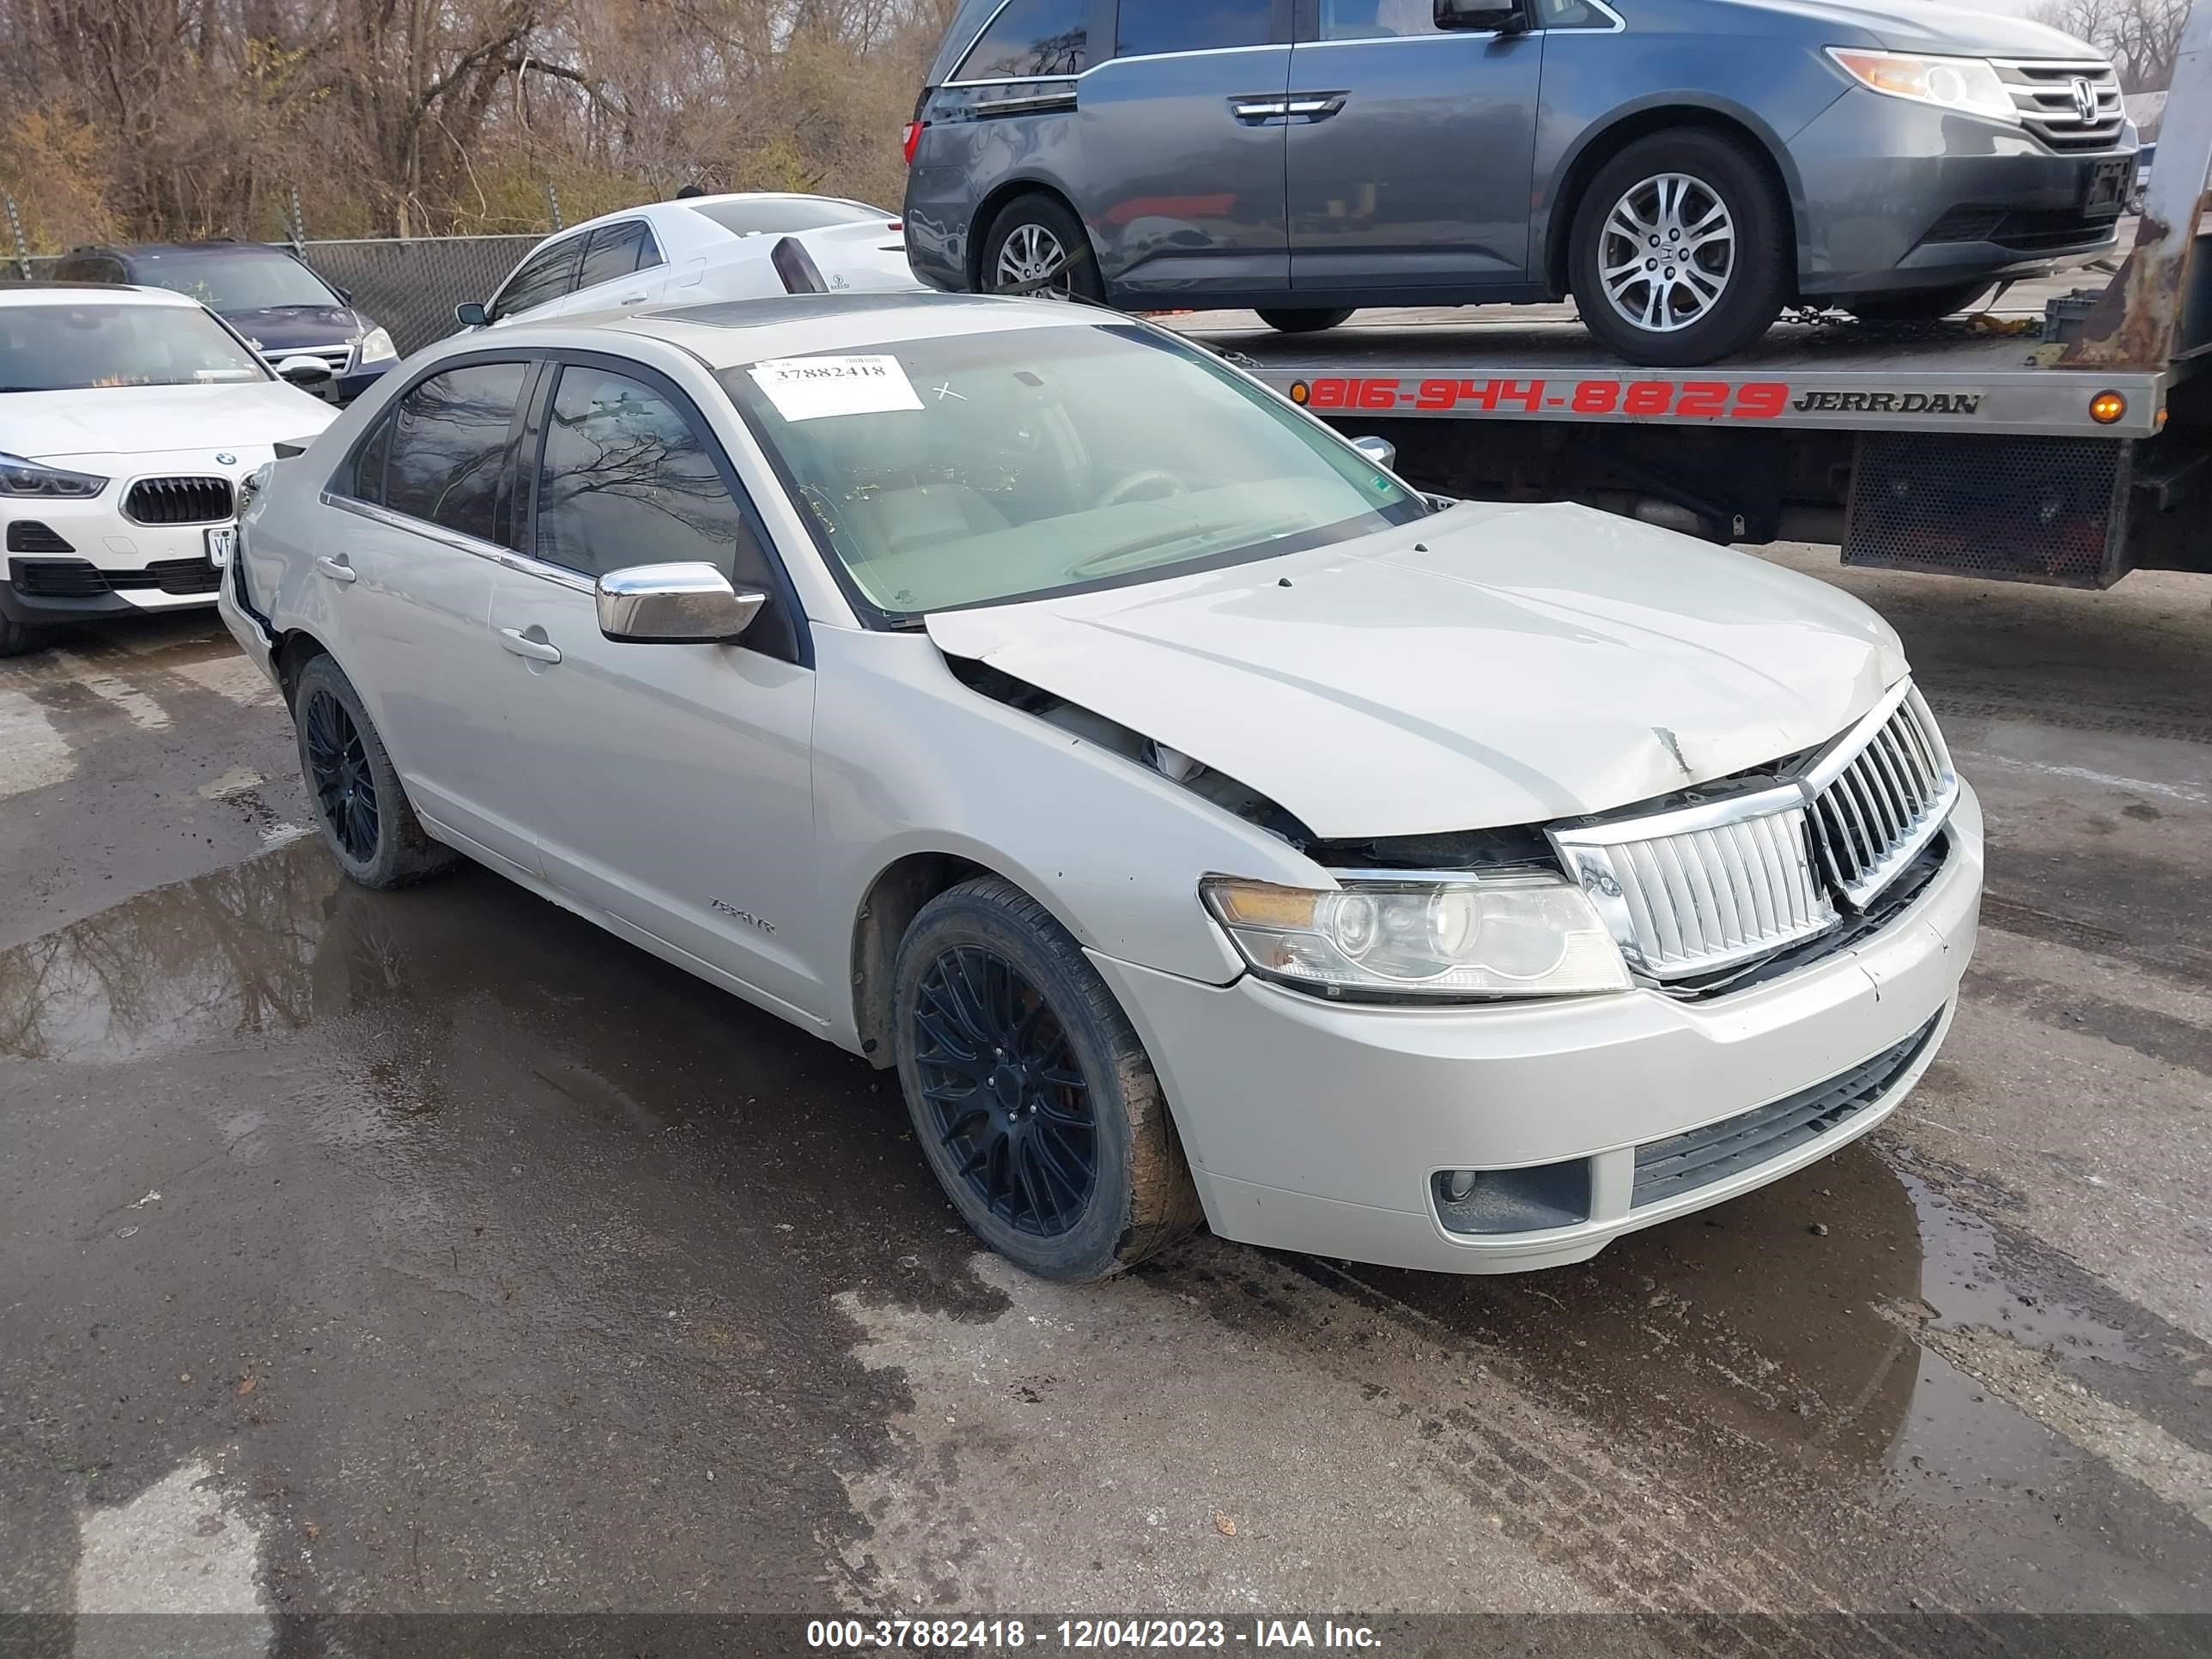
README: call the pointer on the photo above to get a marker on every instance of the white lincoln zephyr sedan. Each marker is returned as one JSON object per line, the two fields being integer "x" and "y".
{"x": 1203, "y": 823}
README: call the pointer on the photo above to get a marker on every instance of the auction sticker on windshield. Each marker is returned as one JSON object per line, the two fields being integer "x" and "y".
{"x": 808, "y": 388}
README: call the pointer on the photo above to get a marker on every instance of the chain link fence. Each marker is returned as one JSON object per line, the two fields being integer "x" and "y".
{"x": 410, "y": 286}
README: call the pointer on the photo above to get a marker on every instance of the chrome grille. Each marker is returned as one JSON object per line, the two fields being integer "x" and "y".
{"x": 338, "y": 356}
{"x": 1880, "y": 793}
{"x": 1695, "y": 888}
{"x": 1703, "y": 887}
{"x": 2043, "y": 92}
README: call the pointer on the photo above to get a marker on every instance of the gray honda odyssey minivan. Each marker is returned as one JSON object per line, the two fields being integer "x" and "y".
{"x": 1685, "y": 168}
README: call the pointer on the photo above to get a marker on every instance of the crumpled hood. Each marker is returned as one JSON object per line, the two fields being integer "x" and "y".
{"x": 58, "y": 426}
{"x": 1927, "y": 26}
{"x": 1533, "y": 663}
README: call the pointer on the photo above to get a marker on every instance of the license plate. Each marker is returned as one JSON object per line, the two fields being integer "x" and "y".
{"x": 220, "y": 543}
{"x": 2104, "y": 186}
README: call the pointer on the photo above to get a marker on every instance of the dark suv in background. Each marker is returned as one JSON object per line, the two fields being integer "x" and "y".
{"x": 284, "y": 310}
{"x": 1685, "y": 168}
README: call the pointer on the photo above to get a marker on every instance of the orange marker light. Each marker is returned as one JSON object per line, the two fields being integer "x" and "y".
{"x": 2106, "y": 407}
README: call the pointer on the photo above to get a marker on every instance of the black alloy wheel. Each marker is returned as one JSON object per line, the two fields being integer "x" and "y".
{"x": 345, "y": 784}
{"x": 1005, "y": 1092}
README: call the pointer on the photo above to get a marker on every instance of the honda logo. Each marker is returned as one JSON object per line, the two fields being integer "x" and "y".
{"x": 2085, "y": 100}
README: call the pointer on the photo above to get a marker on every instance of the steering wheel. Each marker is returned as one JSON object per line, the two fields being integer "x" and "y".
{"x": 1127, "y": 487}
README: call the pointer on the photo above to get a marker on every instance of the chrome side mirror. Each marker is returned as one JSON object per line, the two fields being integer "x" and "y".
{"x": 674, "y": 604}
{"x": 1381, "y": 451}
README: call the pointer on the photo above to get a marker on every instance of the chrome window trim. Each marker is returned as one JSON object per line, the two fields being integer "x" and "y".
{"x": 1107, "y": 63}
{"x": 457, "y": 540}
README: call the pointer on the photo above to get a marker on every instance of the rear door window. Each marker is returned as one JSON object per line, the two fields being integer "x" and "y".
{"x": 451, "y": 438}
{"x": 1151, "y": 27}
{"x": 545, "y": 275}
{"x": 613, "y": 251}
{"x": 1031, "y": 38}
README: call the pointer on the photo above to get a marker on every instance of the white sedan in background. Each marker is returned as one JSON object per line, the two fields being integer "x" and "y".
{"x": 1200, "y": 820}
{"x": 746, "y": 246}
{"x": 128, "y": 419}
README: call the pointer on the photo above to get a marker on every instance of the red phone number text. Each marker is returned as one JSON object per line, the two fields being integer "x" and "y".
{"x": 1688, "y": 400}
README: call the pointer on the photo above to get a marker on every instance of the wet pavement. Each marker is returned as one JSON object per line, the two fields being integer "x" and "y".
{"x": 432, "y": 1251}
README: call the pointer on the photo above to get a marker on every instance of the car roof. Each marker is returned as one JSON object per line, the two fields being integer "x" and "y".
{"x": 30, "y": 294}
{"x": 725, "y": 333}
{"x": 660, "y": 211}
{"x": 183, "y": 250}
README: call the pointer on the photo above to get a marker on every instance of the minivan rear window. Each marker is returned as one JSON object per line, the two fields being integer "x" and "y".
{"x": 1031, "y": 38}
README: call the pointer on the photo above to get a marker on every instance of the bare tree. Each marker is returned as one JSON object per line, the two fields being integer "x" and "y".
{"x": 2142, "y": 36}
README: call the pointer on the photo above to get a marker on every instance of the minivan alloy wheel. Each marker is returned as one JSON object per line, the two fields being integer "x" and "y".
{"x": 1032, "y": 254}
{"x": 1666, "y": 254}
{"x": 1006, "y": 1094}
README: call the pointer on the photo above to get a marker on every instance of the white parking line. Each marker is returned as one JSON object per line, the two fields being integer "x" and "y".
{"x": 140, "y": 710}
{"x": 2180, "y": 792}
{"x": 33, "y": 755}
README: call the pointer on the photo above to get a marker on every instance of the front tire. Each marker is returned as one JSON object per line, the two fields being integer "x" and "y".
{"x": 1036, "y": 245}
{"x": 359, "y": 802}
{"x": 1682, "y": 250}
{"x": 19, "y": 639}
{"x": 1304, "y": 322}
{"x": 1923, "y": 307}
{"x": 1031, "y": 1097}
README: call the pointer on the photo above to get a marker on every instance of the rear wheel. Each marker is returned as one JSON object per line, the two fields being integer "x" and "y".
{"x": 1304, "y": 322}
{"x": 1923, "y": 306}
{"x": 1681, "y": 251}
{"x": 16, "y": 639}
{"x": 1031, "y": 1096}
{"x": 365, "y": 819}
{"x": 1036, "y": 245}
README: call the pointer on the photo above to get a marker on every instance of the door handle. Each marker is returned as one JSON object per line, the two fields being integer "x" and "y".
{"x": 338, "y": 569}
{"x": 522, "y": 645}
{"x": 629, "y": 299}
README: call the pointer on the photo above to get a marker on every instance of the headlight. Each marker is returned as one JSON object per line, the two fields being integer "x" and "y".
{"x": 250, "y": 486}
{"x": 1969, "y": 84}
{"x": 19, "y": 476}
{"x": 376, "y": 346}
{"x": 1512, "y": 936}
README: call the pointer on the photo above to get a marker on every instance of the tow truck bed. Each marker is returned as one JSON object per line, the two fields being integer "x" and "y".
{"x": 1983, "y": 374}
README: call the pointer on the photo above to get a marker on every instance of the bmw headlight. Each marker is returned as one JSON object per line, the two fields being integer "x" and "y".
{"x": 1507, "y": 936}
{"x": 376, "y": 347}
{"x": 19, "y": 476}
{"x": 1967, "y": 84}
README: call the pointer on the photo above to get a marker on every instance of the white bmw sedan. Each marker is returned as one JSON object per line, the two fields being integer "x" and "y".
{"x": 1202, "y": 822}
{"x": 127, "y": 419}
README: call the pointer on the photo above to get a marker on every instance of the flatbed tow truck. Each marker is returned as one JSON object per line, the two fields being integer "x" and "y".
{"x": 2065, "y": 440}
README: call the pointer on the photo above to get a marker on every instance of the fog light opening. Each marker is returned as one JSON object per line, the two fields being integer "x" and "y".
{"x": 2106, "y": 407}
{"x": 1527, "y": 1201}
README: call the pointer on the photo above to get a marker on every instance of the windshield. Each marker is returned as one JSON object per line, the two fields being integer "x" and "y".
{"x": 69, "y": 348}
{"x": 235, "y": 282}
{"x": 982, "y": 468}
